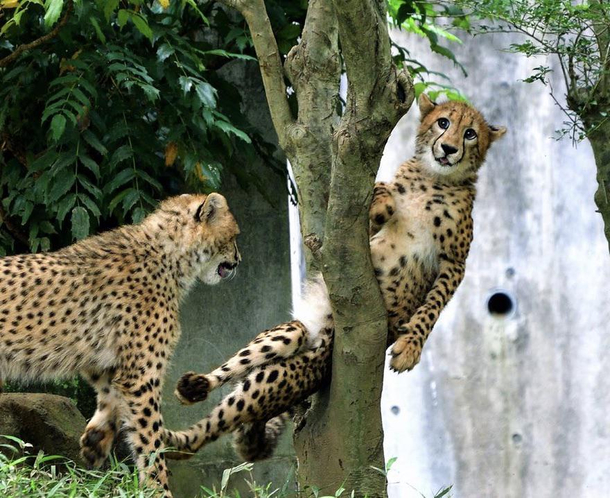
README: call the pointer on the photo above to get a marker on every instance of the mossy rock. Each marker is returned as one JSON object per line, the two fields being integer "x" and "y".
{"x": 48, "y": 422}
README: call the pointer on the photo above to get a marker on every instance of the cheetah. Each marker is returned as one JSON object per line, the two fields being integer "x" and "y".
{"x": 421, "y": 230}
{"x": 106, "y": 307}
{"x": 274, "y": 372}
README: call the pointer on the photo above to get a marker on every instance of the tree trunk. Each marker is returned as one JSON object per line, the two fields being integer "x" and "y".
{"x": 600, "y": 142}
{"x": 335, "y": 163}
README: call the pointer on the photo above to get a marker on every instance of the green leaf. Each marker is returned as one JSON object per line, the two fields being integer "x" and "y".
{"x": 62, "y": 184}
{"x": 117, "y": 200}
{"x": 121, "y": 179}
{"x": 64, "y": 206}
{"x": 121, "y": 154}
{"x": 150, "y": 180}
{"x": 130, "y": 199}
{"x": 164, "y": 51}
{"x": 109, "y": 7}
{"x": 193, "y": 4}
{"x": 122, "y": 17}
{"x": 58, "y": 125}
{"x": 142, "y": 25}
{"x": 90, "y": 204}
{"x": 229, "y": 128}
{"x": 53, "y": 11}
{"x": 80, "y": 223}
{"x": 206, "y": 94}
{"x": 98, "y": 29}
{"x": 138, "y": 215}
{"x": 47, "y": 227}
{"x": 93, "y": 141}
{"x": 185, "y": 83}
{"x": 93, "y": 190}
{"x": 90, "y": 164}
{"x": 28, "y": 207}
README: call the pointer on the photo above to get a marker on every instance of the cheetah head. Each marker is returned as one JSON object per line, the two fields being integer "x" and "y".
{"x": 205, "y": 231}
{"x": 453, "y": 138}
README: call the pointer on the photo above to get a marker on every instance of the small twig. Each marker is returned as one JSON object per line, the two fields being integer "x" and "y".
{"x": 40, "y": 41}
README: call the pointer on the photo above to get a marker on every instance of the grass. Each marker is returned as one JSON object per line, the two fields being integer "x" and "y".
{"x": 52, "y": 476}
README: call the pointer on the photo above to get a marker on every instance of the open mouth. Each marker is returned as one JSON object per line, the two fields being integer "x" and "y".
{"x": 225, "y": 269}
{"x": 443, "y": 161}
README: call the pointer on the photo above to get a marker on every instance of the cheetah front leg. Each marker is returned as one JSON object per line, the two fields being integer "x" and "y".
{"x": 407, "y": 349}
{"x": 282, "y": 341}
{"x": 100, "y": 433}
{"x": 382, "y": 207}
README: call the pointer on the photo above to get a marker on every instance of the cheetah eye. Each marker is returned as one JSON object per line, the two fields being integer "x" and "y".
{"x": 443, "y": 123}
{"x": 470, "y": 134}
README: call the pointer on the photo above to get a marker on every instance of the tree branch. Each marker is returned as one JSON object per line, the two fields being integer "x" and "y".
{"x": 378, "y": 95}
{"x": 365, "y": 45}
{"x": 40, "y": 41}
{"x": 268, "y": 55}
{"x": 314, "y": 69}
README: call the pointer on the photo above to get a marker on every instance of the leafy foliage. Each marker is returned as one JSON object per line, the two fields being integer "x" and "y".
{"x": 124, "y": 107}
{"x": 576, "y": 33}
{"x": 434, "y": 21}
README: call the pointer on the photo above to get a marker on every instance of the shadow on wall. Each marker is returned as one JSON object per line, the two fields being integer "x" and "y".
{"x": 511, "y": 396}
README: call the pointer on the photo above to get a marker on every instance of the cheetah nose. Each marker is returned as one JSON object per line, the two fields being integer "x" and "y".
{"x": 448, "y": 149}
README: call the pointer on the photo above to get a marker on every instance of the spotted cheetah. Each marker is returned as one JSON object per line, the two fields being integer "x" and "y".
{"x": 421, "y": 230}
{"x": 107, "y": 308}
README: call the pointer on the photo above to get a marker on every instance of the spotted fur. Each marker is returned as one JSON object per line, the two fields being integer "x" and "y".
{"x": 107, "y": 308}
{"x": 421, "y": 230}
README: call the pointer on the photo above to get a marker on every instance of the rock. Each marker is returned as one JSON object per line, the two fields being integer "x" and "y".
{"x": 50, "y": 423}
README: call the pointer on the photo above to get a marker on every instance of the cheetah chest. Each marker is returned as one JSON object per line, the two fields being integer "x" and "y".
{"x": 412, "y": 235}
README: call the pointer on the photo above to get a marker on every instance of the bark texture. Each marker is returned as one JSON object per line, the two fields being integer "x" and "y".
{"x": 335, "y": 162}
{"x": 600, "y": 143}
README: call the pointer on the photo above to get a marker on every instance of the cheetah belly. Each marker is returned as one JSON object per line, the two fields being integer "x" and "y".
{"x": 405, "y": 256}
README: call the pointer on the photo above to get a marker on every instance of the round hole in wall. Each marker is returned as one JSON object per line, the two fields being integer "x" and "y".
{"x": 517, "y": 438}
{"x": 510, "y": 272}
{"x": 395, "y": 410}
{"x": 501, "y": 304}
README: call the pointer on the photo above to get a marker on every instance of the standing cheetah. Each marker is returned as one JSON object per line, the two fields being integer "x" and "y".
{"x": 107, "y": 308}
{"x": 421, "y": 230}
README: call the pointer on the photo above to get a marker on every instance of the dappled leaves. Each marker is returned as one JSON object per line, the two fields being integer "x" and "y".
{"x": 124, "y": 107}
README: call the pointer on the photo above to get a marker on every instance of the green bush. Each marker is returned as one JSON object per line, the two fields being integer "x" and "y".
{"x": 124, "y": 105}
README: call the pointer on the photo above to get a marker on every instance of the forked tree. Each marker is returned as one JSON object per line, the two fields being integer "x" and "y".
{"x": 335, "y": 159}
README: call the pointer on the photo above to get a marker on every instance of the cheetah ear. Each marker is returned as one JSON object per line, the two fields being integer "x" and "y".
{"x": 425, "y": 105}
{"x": 496, "y": 132}
{"x": 213, "y": 205}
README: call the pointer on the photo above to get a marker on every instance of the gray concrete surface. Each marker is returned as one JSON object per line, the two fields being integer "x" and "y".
{"x": 512, "y": 407}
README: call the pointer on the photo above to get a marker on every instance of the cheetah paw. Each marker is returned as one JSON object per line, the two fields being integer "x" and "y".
{"x": 405, "y": 355}
{"x": 96, "y": 444}
{"x": 192, "y": 388}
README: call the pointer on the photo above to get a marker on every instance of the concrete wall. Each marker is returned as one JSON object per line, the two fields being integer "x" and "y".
{"x": 514, "y": 406}
{"x": 219, "y": 320}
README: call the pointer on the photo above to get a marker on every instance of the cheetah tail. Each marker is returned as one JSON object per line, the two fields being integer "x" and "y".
{"x": 313, "y": 309}
{"x": 258, "y": 440}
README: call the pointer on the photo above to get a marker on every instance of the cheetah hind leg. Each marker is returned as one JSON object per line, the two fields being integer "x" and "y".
{"x": 258, "y": 440}
{"x": 282, "y": 341}
{"x": 382, "y": 207}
